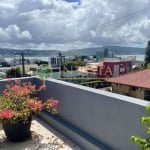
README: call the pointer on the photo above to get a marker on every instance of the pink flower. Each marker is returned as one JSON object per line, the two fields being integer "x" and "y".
{"x": 17, "y": 101}
{"x": 52, "y": 102}
{"x": 35, "y": 104}
{"x": 42, "y": 88}
{"x": 7, "y": 114}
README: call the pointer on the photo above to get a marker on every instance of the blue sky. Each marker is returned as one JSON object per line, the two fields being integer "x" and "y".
{"x": 72, "y": 0}
{"x": 57, "y": 24}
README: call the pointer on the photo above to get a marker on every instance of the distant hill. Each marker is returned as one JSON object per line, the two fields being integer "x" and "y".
{"x": 116, "y": 50}
{"x": 27, "y": 52}
{"x": 119, "y": 50}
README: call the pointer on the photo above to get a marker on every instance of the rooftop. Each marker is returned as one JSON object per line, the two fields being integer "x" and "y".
{"x": 43, "y": 137}
{"x": 138, "y": 79}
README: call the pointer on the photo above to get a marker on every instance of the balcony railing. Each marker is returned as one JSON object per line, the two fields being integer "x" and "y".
{"x": 93, "y": 118}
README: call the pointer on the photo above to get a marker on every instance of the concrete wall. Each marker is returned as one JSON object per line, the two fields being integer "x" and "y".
{"x": 109, "y": 118}
{"x": 6, "y": 81}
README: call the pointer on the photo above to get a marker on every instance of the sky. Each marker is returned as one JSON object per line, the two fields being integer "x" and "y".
{"x": 73, "y": 24}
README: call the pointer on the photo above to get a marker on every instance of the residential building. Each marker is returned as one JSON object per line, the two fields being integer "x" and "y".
{"x": 107, "y": 68}
{"x": 136, "y": 84}
{"x": 54, "y": 62}
{"x": 113, "y": 67}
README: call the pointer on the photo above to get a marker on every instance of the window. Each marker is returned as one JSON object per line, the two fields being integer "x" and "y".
{"x": 134, "y": 88}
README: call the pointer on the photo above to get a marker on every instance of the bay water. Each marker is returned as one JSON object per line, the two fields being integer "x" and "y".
{"x": 138, "y": 57}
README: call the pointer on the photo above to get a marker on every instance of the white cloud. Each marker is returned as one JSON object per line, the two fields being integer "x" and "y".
{"x": 14, "y": 34}
{"x": 58, "y": 24}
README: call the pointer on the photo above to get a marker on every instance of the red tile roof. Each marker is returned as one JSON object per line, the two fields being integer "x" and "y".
{"x": 140, "y": 79}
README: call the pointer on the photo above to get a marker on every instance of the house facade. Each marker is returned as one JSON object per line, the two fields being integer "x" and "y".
{"x": 136, "y": 84}
{"x": 129, "y": 90}
{"x": 114, "y": 68}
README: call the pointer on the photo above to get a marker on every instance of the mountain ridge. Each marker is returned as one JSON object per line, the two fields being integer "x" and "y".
{"x": 116, "y": 50}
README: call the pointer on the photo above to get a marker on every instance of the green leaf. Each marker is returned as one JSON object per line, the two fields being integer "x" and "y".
{"x": 145, "y": 120}
{"x": 148, "y": 108}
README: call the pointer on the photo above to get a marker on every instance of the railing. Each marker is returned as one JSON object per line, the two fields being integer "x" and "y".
{"x": 92, "y": 118}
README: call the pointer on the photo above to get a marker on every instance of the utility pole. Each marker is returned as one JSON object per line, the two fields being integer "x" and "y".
{"x": 23, "y": 68}
{"x": 22, "y": 60}
{"x": 61, "y": 64}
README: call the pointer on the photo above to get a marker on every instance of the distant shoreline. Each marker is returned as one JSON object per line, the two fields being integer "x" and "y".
{"x": 138, "y": 57}
{"x": 27, "y": 57}
{"x": 45, "y": 58}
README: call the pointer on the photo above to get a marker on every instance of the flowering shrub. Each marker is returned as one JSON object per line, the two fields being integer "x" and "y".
{"x": 18, "y": 103}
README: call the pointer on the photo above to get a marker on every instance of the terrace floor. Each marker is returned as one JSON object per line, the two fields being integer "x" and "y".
{"x": 44, "y": 137}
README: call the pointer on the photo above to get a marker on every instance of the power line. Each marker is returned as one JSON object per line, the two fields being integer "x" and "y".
{"x": 126, "y": 16}
{"x": 105, "y": 25}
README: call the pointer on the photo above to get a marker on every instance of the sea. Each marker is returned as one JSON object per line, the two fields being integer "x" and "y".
{"x": 38, "y": 58}
{"x": 138, "y": 57}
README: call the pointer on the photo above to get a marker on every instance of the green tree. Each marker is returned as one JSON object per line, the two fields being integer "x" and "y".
{"x": 147, "y": 54}
{"x": 76, "y": 57}
{"x": 13, "y": 72}
{"x": 73, "y": 63}
{"x": 82, "y": 57}
{"x": 4, "y": 64}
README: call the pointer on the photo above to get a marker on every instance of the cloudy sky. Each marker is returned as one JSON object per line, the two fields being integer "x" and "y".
{"x": 71, "y": 24}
